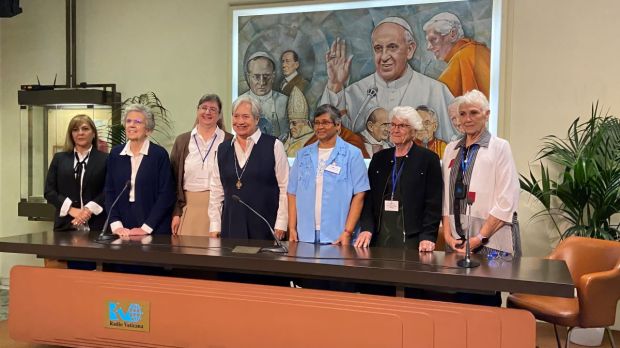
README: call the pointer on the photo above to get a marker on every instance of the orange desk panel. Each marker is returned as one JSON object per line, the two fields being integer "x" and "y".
{"x": 68, "y": 307}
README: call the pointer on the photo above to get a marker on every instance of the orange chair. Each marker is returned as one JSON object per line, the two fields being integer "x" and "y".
{"x": 594, "y": 265}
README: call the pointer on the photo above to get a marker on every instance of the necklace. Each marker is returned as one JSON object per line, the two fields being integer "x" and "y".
{"x": 239, "y": 184}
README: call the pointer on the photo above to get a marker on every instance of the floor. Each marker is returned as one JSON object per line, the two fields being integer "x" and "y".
{"x": 545, "y": 336}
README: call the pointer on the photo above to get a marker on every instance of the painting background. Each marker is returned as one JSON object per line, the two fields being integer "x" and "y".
{"x": 311, "y": 33}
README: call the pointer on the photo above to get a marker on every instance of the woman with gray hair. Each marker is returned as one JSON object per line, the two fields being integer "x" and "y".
{"x": 139, "y": 174}
{"x": 481, "y": 190}
{"x": 252, "y": 166}
{"x": 403, "y": 207}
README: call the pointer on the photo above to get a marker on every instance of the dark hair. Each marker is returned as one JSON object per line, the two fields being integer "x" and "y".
{"x": 333, "y": 113}
{"x": 295, "y": 56}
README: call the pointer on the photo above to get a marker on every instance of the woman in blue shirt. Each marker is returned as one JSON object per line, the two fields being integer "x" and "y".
{"x": 326, "y": 185}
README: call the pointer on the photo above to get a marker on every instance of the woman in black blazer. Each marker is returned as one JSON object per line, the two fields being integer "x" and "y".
{"x": 403, "y": 206}
{"x": 76, "y": 177}
{"x": 75, "y": 181}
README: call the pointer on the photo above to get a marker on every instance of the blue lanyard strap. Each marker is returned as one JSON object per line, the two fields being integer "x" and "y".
{"x": 466, "y": 157}
{"x": 396, "y": 176}
{"x": 209, "y": 150}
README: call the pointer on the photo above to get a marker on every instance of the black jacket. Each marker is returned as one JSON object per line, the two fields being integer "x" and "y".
{"x": 421, "y": 189}
{"x": 60, "y": 184}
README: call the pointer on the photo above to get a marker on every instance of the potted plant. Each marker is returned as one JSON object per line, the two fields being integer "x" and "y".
{"x": 585, "y": 192}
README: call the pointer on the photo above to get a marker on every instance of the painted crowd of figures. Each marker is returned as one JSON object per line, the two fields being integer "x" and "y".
{"x": 364, "y": 104}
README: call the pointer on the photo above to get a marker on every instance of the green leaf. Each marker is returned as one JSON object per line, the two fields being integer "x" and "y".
{"x": 586, "y": 190}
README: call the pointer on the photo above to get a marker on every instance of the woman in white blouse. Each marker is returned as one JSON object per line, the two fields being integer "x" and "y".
{"x": 480, "y": 180}
{"x": 192, "y": 158}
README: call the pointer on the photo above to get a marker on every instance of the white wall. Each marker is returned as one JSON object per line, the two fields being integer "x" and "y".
{"x": 32, "y": 44}
{"x": 558, "y": 59}
{"x": 562, "y": 61}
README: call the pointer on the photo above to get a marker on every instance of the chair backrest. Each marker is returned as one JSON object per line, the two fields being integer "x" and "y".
{"x": 594, "y": 265}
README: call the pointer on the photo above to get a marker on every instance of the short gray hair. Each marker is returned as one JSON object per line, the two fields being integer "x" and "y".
{"x": 443, "y": 23}
{"x": 474, "y": 97}
{"x": 256, "y": 110}
{"x": 330, "y": 110}
{"x": 407, "y": 114}
{"x": 144, "y": 110}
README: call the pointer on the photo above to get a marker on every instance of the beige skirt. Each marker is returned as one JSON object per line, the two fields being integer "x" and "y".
{"x": 195, "y": 218}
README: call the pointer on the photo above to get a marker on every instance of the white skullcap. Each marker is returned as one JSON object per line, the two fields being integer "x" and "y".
{"x": 396, "y": 20}
{"x": 260, "y": 54}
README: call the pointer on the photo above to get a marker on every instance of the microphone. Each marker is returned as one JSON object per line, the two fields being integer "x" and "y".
{"x": 467, "y": 262}
{"x": 280, "y": 248}
{"x": 370, "y": 93}
{"x": 111, "y": 236}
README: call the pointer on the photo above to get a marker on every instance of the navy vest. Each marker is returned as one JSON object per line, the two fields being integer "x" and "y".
{"x": 259, "y": 190}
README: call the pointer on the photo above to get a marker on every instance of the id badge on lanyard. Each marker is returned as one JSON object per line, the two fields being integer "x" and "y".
{"x": 391, "y": 204}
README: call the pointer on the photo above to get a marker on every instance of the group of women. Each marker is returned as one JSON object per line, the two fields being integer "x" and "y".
{"x": 329, "y": 196}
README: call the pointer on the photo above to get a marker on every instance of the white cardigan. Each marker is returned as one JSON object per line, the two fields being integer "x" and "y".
{"x": 495, "y": 181}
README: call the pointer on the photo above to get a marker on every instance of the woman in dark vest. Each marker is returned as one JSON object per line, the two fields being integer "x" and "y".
{"x": 254, "y": 167}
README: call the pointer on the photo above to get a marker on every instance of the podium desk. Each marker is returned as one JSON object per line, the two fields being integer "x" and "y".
{"x": 104, "y": 309}
{"x": 400, "y": 268}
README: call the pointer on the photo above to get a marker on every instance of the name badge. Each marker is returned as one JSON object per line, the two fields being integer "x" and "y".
{"x": 391, "y": 205}
{"x": 333, "y": 168}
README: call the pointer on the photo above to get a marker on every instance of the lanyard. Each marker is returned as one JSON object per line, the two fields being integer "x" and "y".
{"x": 209, "y": 150}
{"x": 466, "y": 157}
{"x": 396, "y": 176}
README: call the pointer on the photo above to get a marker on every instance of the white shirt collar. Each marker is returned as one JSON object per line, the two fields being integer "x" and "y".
{"x": 143, "y": 151}
{"x": 254, "y": 136}
{"x": 291, "y": 76}
{"x": 218, "y": 131}
{"x": 80, "y": 156}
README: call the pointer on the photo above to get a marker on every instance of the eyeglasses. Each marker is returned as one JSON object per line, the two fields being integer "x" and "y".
{"x": 209, "y": 109}
{"x": 399, "y": 126}
{"x": 318, "y": 124}
{"x": 261, "y": 77}
{"x": 427, "y": 123}
{"x": 137, "y": 122}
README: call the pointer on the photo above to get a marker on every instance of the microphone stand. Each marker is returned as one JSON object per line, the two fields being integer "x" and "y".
{"x": 280, "y": 248}
{"x": 370, "y": 93}
{"x": 103, "y": 236}
{"x": 467, "y": 262}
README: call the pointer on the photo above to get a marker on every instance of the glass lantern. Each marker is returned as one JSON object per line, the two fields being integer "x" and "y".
{"x": 44, "y": 119}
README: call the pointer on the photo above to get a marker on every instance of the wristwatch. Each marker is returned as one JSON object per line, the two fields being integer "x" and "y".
{"x": 483, "y": 240}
